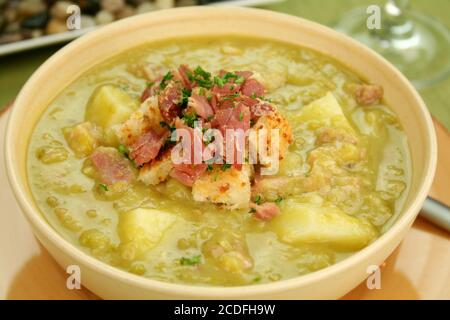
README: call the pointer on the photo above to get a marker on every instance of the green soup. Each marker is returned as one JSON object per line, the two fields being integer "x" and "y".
{"x": 341, "y": 183}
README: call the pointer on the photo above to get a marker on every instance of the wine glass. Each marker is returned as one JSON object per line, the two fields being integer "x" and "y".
{"x": 417, "y": 44}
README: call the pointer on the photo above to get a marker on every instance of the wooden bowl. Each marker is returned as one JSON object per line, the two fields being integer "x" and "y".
{"x": 73, "y": 60}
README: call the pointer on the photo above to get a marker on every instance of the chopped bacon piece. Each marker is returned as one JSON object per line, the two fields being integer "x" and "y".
{"x": 169, "y": 100}
{"x": 252, "y": 87}
{"x": 184, "y": 70}
{"x": 266, "y": 211}
{"x": 147, "y": 146}
{"x": 244, "y": 74}
{"x": 187, "y": 173}
{"x": 232, "y": 118}
{"x": 368, "y": 94}
{"x": 227, "y": 90}
{"x": 262, "y": 108}
{"x": 111, "y": 166}
{"x": 151, "y": 90}
{"x": 237, "y": 118}
{"x": 200, "y": 105}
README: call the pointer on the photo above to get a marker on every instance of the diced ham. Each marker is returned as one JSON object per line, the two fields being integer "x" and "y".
{"x": 252, "y": 87}
{"x": 261, "y": 108}
{"x": 169, "y": 100}
{"x": 237, "y": 118}
{"x": 244, "y": 74}
{"x": 266, "y": 211}
{"x": 147, "y": 147}
{"x": 368, "y": 94}
{"x": 111, "y": 166}
{"x": 151, "y": 90}
{"x": 232, "y": 118}
{"x": 200, "y": 105}
{"x": 227, "y": 90}
{"x": 187, "y": 173}
{"x": 183, "y": 71}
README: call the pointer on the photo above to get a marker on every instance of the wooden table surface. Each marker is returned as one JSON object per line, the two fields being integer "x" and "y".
{"x": 418, "y": 269}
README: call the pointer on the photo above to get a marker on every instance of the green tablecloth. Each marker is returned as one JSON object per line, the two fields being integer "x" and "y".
{"x": 15, "y": 69}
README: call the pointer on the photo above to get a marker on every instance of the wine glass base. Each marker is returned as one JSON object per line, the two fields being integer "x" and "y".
{"x": 423, "y": 56}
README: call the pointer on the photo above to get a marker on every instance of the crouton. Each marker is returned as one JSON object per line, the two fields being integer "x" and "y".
{"x": 230, "y": 187}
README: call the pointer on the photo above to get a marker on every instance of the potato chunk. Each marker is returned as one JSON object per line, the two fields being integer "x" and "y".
{"x": 326, "y": 112}
{"x": 83, "y": 138}
{"x": 141, "y": 229}
{"x": 315, "y": 224}
{"x": 230, "y": 187}
{"x": 108, "y": 106}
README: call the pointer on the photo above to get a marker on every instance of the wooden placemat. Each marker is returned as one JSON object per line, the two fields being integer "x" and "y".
{"x": 418, "y": 268}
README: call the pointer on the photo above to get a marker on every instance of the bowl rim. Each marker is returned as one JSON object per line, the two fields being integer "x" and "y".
{"x": 35, "y": 218}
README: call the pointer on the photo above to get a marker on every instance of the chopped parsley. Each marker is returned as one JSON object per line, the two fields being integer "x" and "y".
{"x": 257, "y": 279}
{"x": 103, "y": 186}
{"x": 278, "y": 200}
{"x": 226, "y": 166}
{"x": 165, "y": 124}
{"x": 186, "y": 93}
{"x": 167, "y": 77}
{"x": 219, "y": 82}
{"x": 241, "y": 116}
{"x": 189, "y": 119}
{"x": 191, "y": 261}
{"x": 258, "y": 200}
{"x": 201, "y": 77}
{"x": 209, "y": 167}
{"x": 123, "y": 150}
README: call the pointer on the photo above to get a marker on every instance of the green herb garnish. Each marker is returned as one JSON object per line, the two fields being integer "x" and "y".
{"x": 167, "y": 77}
{"x": 219, "y": 82}
{"x": 201, "y": 77}
{"x": 226, "y": 166}
{"x": 190, "y": 261}
{"x": 209, "y": 167}
{"x": 278, "y": 200}
{"x": 252, "y": 210}
{"x": 189, "y": 119}
{"x": 103, "y": 186}
{"x": 123, "y": 150}
{"x": 241, "y": 116}
{"x": 258, "y": 200}
{"x": 186, "y": 93}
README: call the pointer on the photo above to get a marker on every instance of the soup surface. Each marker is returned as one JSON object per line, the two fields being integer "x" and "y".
{"x": 343, "y": 173}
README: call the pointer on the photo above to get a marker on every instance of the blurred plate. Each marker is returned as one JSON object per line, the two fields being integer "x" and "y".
{"x": 46, "y": 40}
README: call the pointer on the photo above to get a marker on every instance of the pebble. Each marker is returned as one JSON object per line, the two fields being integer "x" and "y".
{"x": 165, "y": 4}
{"x": 186, "y": 3}
{"x": 87, "y": 21}
{"x": 125, "y": 12}
{"x": 37, "y": 33}
{"x": 146, "y": 7}
{"x": 59, "y": 9}
{"x": 112, "y": 5}
{"x": 104, "y": 17}
{"x": 10, "y": 37}
{"x": 36, "y": 22}
{"x": 56, "y": 26}
{"x": 13, "y": 27}
{"x": 90, "y": 7}
{"x": 28, "y": 8}
{"x": 10, "y": 15}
